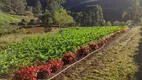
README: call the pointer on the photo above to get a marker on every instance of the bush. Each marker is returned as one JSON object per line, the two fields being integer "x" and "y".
{"x": 117, "y": 23}
{"x": 23, "y": 23}
{"x": 28, "y": 13}
{"x": 129, "y": 22}
{"x": 32, "y": 22}
{"x": 108, "y": 23}
{"x": 103, "y": 23}
{"x": 122, "y": 24}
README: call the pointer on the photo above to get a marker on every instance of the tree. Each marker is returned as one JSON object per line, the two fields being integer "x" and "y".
{"x": 46, "y": 19}
{"x": 135, "y": 5}
{"x": 77, "y": 17}
{"x": 29, "y": 8}
{"x": 17, "y": 6}
{"x": 37, "y": 9}
{"x": 93, "y": 16}
{"x": 62, "y": 18}
{"x": 29, "y": 14}
{"x": 138, "y": 18}
{"x": 5, "y": 5}
{"x": 108, "y": 23}
{"x": 54, "y": 5}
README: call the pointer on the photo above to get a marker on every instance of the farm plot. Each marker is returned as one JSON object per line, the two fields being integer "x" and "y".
{"x": 49, "y": 47}
{"x": 115, "y": 62}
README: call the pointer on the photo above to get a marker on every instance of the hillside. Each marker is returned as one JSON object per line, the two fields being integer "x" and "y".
{"x": 6, "y": 18}
{"x": 110, "y": 7}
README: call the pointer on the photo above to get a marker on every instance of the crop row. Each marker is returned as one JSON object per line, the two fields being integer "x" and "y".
{"x": 48, "y": 47}
{"x": 43, "y": 70}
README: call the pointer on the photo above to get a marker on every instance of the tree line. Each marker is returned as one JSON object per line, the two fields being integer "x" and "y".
{"x": 54, "y": 13}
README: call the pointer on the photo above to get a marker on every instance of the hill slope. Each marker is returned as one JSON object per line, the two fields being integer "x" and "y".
{"x": 8, "y": 18}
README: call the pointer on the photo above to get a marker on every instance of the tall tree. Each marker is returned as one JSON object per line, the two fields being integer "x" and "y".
{"x": 135, "y": 5}
{"x": 46, "y": 19}
{"x": 17, "y": 6}
{"x": 138, "y": 18}
{"x": 54, "y": 5}
{"x": 93, "y": 16}
{"x": 37, "y": 9}
{"x": 77, "y": 17}
{"x": 62, "y": 18}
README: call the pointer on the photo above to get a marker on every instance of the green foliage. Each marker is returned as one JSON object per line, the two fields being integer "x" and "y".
{"x": 54, "y": 5}
{"x": 51, "y": 46}
{"x": 108, "y": 23}
{"x": 7, "y": 18}
{"x": 117, "y": 23}
{"x": 122, "y": 24}
{"x": 14, "y": 6}
{"x": 6, "y": 30}
{"x": 29, "y": 8}
{"x": 93, "y": 16}
{"x": 28, "y": 13}
{"x": 46, "y": 19}
{"x": 129, "y": 22}
{"x": 104, "y": 23}
{"x": 77, "y": 17}
{"x": 37, "y": 9}
{"x": 62, "y": 18}
{"x": 138, "y": 16}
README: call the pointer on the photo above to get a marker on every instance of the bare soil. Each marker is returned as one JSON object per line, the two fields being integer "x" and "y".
{"x": 117, "y": 61}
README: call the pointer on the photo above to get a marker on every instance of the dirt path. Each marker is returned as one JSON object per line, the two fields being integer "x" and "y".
{"x": 138, "y": 59}
{"x": 115, "y": 62}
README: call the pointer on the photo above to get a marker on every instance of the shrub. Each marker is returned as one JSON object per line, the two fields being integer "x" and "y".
{"x": 28, "y": 13}
{"x": 122, "y": 24}
{"x": 108, "y": 23}
{"x": 23, "y": 23}
{"x": 32, "y": 22}
{"x": 117, "y": 23}
{"x": 103, "y": 23}
{"x": 129, "y": 22}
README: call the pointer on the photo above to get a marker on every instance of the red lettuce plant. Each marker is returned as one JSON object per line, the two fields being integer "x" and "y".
{"x": 83, "y": 51}
{"x": 55, "y": 64}
{"x": 26, "y": 73}
{"x": 94, "y": 46}
{"x": 44, "y": 70}
{"x": 68, "y": 58}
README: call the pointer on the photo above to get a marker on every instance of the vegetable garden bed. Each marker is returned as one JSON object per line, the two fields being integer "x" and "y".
{"x": 37, "y": 58}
